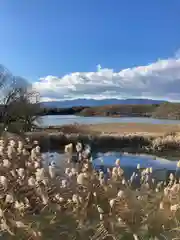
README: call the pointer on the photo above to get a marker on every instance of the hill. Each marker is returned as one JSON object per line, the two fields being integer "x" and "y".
{"x": 163, "y": 110}
{"x": 121, "y": 110}
{"x": 93, "y": 102}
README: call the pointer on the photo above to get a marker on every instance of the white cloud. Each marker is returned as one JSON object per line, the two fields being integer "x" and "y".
{"x": 158, "y": 80}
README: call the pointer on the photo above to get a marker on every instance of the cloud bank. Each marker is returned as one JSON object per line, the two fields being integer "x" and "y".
{"x": 158, "y": 80}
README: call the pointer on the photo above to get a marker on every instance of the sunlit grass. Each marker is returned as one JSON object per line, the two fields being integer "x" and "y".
{"x": 84, "y": 205}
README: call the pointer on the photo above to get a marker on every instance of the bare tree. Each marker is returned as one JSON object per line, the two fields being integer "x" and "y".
{"x": 19, "y": 103}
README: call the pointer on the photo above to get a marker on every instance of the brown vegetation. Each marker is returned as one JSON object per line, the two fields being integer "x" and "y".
{"x": 163, "y": 110}
{"x": 163, "y": 140}
{"x": 19, "y": 103}
{"x": 36, "y": 203}
{"x": 143, "y": 129}
{"x": 119, "y": 110}
{"x": 139, "y": 128}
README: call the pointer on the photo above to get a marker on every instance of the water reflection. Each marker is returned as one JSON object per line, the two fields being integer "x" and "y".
{"x": 130, "y": 160}
{"x": 108, "y": 159}
{"x": 57, "y": 158}
{"x": 161, "y": 167}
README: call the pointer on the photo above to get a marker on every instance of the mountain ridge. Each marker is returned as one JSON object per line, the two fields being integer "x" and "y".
{"x": 94, "y": 102}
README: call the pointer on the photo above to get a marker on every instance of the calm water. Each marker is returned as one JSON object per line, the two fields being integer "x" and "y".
{"x": 51, "y": 120}
{"x": 161, "y": 167}
{"x": 128, "y": 162}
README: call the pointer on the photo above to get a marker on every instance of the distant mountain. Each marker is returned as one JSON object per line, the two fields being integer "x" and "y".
{"x": 93, "y": 102}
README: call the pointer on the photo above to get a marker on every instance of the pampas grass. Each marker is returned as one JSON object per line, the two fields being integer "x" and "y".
{"x": 37, "y": 203}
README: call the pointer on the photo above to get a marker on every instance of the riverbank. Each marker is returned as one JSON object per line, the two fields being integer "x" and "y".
{"x": 160, "y": 140}
{"x": 134, "y": 128}
{"x": 114, "y": 129}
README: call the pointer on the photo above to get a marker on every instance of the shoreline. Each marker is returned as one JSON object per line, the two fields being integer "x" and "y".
{"x": 126, "y": 137}
{"x": 158, "y": 110}
{"x": 149, "y": 129}
{"x": 159, "y": 140}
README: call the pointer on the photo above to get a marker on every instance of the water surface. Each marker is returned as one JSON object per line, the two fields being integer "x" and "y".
{"x": 59, "y": 120}
{"x": 128, "y": 162}
{"x": 131, "y": 160}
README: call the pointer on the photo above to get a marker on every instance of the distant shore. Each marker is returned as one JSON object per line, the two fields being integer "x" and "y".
{"x": 162, "y": 111}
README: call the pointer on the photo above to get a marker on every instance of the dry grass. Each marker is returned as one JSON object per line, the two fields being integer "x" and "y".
{"x": 80, "y": 208}
{"x": 140, "y": 137}
{"x": 115, "y": 128}
{"x": 141, "y": 128}
{"x": 66, "y": 129}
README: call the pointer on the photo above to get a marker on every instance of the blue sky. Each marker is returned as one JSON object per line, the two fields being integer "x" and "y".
{"x": 43, "y": 38}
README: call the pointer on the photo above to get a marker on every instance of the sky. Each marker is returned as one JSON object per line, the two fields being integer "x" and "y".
{"x": 95, "y": 49}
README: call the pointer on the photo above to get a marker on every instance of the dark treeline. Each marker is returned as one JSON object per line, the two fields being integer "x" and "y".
{"x": 61, "y": 111}
{"x": 163, "y": 110}
{"x": 120, "y": 110}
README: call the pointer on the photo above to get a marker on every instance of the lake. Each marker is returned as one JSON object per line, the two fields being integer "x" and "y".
{"x": 128, "y": 162}
{"x": 59, "y": 120}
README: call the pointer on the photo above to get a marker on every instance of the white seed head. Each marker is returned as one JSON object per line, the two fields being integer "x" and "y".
{"x": 100, "y": 210}
{"x": 74, "y": 171}
{"x": 121, "y": 194}
{"x": 9, "y": 198}
{"x": 19, "y": 205}
{"x": 64, "y": 183}
{"x": 101, "y": 217}
{"x": 52, "y": 172}
{"x": 37, "y": 149}
{"x": 13, "y": 173}
{"x": 6, "y": 163}
{"x": 25, "y": 152}
{"x": 3, "y": 181}
{"x": 21, "y": 172}
{"x": 20, "y": 224}
{"x": 40, "y": 174}
{"x": 35, "y": 142}
{"x": 31, "y": 181}
{"x": 67, "y": 171}
{"x": 36, "y": 164}
{"x": 161, "y": 206}
{"x": 112, "y": 202}
{"x": 157, "y": 190}
{"x": 75, "y": 198}
{"x": 12, "y": 143}
{"x": 44, "y": 198}
{"x": 61, "y": 199}
{"x": 174, "y": 208}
